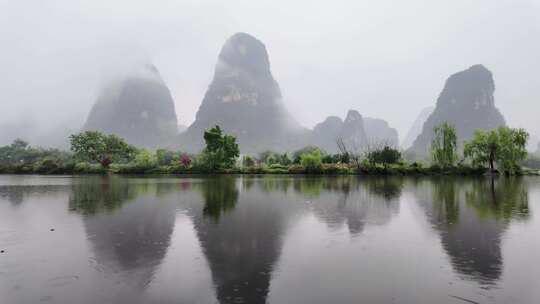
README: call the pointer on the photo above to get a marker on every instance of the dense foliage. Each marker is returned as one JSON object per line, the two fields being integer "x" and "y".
{"x": 95, "y": 146}
{"x": 312, "y": 161}
{"x": 385, "y": 156}
{"x": 504, "y": 146}
{"x": 221, "y": 150}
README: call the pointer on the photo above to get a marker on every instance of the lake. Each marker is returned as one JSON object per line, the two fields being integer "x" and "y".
{"x": 269, "y": 239}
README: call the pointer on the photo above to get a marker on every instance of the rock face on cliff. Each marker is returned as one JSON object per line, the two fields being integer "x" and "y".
{"x": 351, "y": 130}
{"x": 245, "y": 101}
{"x": 137, "y": 107}
{"x": 467, "y": 103}
{"x": 378, "y": 131}
{"x": 416, "y": 127}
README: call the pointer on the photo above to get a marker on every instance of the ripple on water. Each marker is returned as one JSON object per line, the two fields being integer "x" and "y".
{"x": 62, "y": 281}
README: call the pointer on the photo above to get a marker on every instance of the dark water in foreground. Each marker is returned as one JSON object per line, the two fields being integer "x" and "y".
{"x": 269, "y": 240}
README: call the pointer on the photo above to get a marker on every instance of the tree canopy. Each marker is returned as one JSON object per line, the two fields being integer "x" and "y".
{"x": 504, "y": 146}
{"x": 221, "y": 149}
{"x": 105, "y": 149}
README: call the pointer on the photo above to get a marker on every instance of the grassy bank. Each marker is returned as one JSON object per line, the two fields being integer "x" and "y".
{"x": 51, "y": 168}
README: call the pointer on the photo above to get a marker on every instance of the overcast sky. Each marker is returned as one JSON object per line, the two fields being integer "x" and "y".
{"x": 385, "y": 58}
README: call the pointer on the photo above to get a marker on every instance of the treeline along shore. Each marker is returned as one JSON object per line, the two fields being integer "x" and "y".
{"x": 499, "y": 151}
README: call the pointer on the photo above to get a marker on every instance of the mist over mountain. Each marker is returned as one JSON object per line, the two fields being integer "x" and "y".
{"x": 378, "y": 131}
{"x": 137, "y": 107}
{"x": 467, "y": 103}
{"x": 356, "y": 132}
{"x": 245, "y": 101}
{"x": 416, "y": 127}
{"x": 351, "y": 131}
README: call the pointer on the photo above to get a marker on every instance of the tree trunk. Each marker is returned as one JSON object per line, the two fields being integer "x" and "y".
{"x": 491, "y": 162}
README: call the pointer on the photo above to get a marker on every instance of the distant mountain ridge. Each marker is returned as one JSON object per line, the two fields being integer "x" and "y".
{"x": 416, "y": 127}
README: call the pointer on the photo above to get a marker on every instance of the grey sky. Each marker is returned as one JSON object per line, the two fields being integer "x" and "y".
{"x": 385, "y": 58}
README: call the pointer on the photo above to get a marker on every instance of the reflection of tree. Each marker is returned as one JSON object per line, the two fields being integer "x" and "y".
{"x": 501, "y": 199}
{"x": 271, "y": 183}
{"x": 129, "y": 240}
{"x": 242, "y": 244}
{"x": 96, "y": 194}
{"x": 14, "y": 194}
{"x": 388, "y": 188}
{"x": 445, "y": 200}
{"x": 309, "y": 186}
{"x": 220, "y": 195}
{"x": 471, "y": 216}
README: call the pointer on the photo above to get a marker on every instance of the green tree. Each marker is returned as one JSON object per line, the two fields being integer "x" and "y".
{"x": 482, "y": 148}
{"x": 145, "y": 159}
{"x": 444, "y": 145}
{"x": 387, "y": 155}
{"x": 221, "y": 149}
{"x": 284, "y": 159}
{"x": 95, "y": 146}
{"x": 248, "y": 161}
{"x": 166, "y": 157}
{"x": 504, "y": 146}
{"x": 512, "y": 148}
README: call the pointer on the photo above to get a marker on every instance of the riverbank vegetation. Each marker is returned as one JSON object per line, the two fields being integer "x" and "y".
{"x": 489, "y": 152}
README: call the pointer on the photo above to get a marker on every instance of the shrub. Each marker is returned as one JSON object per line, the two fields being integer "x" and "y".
{"x": 88, "y": 168}
{"x": 46, "y": 166}
{"x": 145, "y": 160}
{"x": 387, "y": 155}
{"x": 185, "y": 160}
{"x": 297, "y": 155}
{"x": 312, "y": 162}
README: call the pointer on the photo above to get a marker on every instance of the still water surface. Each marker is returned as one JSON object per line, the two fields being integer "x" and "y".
{"x": 272, "y": 239}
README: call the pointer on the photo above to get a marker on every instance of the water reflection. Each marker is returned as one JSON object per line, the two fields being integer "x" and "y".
{"x": 242, "y": 239}
{"x": 220, "y": 195}
{"x": 128, "y": 227}
{"x": 241, "y": 244}
{"x": 352, "y": 201}
{"x": 471, "y": 217}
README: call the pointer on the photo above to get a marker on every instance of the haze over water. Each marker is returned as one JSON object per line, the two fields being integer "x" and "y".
{"x": 274, "y": 239}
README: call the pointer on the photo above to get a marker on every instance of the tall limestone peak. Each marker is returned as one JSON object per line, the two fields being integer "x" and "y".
{"x": 326, "y": 133}
{"x": 378, "y": 131}
{"x": 467, "y": 103}
{"x": 245, "y": 100}
{"x": 353, "y": 129}
{"x": 137, "y": 106}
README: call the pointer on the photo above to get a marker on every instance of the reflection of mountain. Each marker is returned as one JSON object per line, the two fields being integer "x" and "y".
{"x": 129, "y": 232}
{"x": 353, "y": 201}
{"x": 473, "y": 245}
{"x": 243, "y": 242}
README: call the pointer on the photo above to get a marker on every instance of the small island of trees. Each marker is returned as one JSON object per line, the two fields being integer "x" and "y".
{"x": 498, "y": 151}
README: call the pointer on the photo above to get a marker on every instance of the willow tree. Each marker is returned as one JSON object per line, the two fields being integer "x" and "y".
{"x": 504, "y": 146}
{"x": 444, "y": 145}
